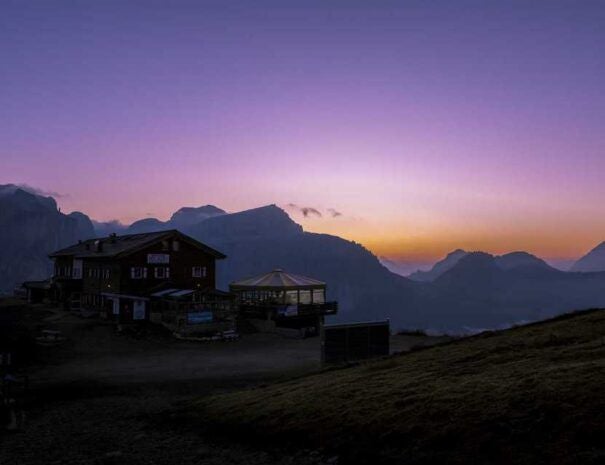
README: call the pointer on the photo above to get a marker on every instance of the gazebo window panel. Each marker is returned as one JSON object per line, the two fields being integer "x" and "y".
{"x": 291, "y": 297}
{"x": 304, "y": 297}
{"x": 319, "y": 296}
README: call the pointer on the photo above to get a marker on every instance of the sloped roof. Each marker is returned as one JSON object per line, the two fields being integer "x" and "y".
{"x": 114, "y": 246}
{"x": 178, "y": 293}
{"x": 277, "y": 280}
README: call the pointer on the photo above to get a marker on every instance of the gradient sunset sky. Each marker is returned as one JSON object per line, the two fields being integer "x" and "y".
{"x": 429, "y": 125}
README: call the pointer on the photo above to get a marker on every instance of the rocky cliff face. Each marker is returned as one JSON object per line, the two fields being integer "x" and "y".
{"x": 31, "y": 227}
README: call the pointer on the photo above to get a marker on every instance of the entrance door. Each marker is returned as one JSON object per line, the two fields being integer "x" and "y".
{"x": 125, "y": 310}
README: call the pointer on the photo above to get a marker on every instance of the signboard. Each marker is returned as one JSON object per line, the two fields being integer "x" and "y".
{"x": 138, "y": 311}
{"x": 158, "y": 258}
{"x": 196, "y": 318}
{"x": 288, "y": 310}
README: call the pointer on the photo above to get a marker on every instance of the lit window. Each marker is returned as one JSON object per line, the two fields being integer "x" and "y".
{"x": 162, "y": 272}
{"x": 318, "y": 296}
{"x": 138, "y": 272}
{"x": 304, "y": 297}
{"x": 291, "y": 297}
{"x": 198, "y": 272}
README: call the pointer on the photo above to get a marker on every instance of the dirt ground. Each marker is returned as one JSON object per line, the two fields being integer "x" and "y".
{"x": 104, "y": 397}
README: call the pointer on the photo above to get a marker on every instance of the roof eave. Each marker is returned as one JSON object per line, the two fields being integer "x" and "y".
{"x": 238, "y": 287}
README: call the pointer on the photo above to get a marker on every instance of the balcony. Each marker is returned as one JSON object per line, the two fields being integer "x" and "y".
{"x": 281, "y": 311}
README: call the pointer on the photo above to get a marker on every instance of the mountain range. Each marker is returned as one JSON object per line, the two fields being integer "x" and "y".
{"x": 466, "y": 291}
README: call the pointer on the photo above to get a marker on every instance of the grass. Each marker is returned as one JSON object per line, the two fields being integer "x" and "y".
{"x": 532, "y": 394}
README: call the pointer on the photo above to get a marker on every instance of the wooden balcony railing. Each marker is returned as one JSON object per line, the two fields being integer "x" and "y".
{"x": 261, "y": 309}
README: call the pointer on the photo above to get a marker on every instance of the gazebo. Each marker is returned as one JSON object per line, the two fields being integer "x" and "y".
{"x": 286, "y": 299}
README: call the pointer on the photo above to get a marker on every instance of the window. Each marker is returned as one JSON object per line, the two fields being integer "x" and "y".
{"x": 304, "y": 297}
{"x": 162, "y": 272}
{"x": 291, "y": 297}
{"x": 106, "y": 273}
{"x": 198, "y": 272}
{"x": 319, "y": 296}
{"x": 176, "y": 246}
{"x": 138, "y": 272}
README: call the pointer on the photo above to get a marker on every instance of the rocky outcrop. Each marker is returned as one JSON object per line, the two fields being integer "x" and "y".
{"x": 31, "y": 226}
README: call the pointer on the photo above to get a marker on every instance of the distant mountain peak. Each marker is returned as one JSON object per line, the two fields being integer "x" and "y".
{"x": 187, "y": 217}
{"x": 440, "y": 267}
{"x": 520, "y": 259}
{"x": 266, "y": 221}
{"x": 27, "y": 197}
{"x": 146, "y": 225}
{"x": 203, "y": 210}
{"x": 593, "y": 261}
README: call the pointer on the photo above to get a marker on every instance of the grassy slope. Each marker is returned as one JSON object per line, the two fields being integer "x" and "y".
{"x": 533, "y": 394}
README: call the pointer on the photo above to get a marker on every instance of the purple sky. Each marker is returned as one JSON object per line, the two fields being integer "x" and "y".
{"x": 429, "y": 125}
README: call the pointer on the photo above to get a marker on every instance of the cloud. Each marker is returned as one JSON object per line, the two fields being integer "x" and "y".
{"x": 334, "y": 213}
{"x": 42, "y": 192}
{"x": 306, "y": 211}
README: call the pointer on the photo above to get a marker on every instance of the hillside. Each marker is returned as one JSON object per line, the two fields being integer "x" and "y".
{"x": 528, "y": 395}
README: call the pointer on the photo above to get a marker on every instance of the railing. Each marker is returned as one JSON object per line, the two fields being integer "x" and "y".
{"x": 261, "y": 309}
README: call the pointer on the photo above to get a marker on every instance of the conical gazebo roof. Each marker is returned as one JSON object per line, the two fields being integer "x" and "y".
{"x": 277, "y": 280}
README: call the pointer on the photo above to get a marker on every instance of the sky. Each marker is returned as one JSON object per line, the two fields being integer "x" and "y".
{"x": 427, "y": 125}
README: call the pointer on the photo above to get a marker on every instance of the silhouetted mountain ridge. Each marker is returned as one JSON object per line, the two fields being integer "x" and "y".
{"x": 470, "y": 291}
{"x": 440, "y": 267}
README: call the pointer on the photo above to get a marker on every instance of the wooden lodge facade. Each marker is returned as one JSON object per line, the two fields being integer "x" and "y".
{"x": 117, "y": 276}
